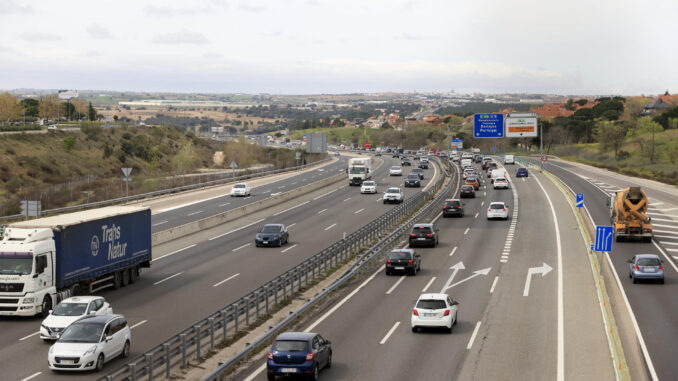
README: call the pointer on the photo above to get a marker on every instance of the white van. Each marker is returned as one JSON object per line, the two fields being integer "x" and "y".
{"x": 496, "y": 173}
{"x": 508, "y": 159}
{"x": 465, "y": 162}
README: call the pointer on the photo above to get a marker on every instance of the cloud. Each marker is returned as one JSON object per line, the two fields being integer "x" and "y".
{"x": 8, "y": 7}
{"x": 99, "y": 32}
{"x": 153, "y": 10}
{"x": 212, "y": 55}
{"x": 183, "y": 37}
{"x": 39, "y": 36}
{"x": 251, "y": 8}
{"x": 412, "y": 37}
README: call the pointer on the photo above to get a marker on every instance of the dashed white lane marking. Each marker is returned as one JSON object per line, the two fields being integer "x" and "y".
{"x": 31, "y": 376}
{"x": 466, "y": 231}
{"x": 168, "y": 278}
{"x": 390, "y": 332}
{"x": 222, "y": 205}
{"x": 290, "y": 225}
{"x": 172, "y": 253}
{"x": 225, "y": 280}
{"x": 473, "y": 336}
{"x": 160, "y": 223}
{"x": 242, "y": 247}
{"x": 453, "y": 251}
{"x": 31, "y": 335}
{"x": 235, "y": 230}
{"x": 194, "y": 213}
{"x": 390, "y": 290}
{"x": 494, "y": 283}
{"x": 358, "y": 211}
{"x": 347, "y": 199}
{"x": 138, "y": 324}
{"x": 668, "y": 243}
{"x": 322, "y": 211}
{"x": 289, "y": 248}
{"x": 330, "y": 227}
{"x": 325, "y": 194}
{"x": 482, "y": 203}
{"x": 664, "y": 226}
{"x": 430, "y": 282}
{"x": 672, "y": 250}
{"x": 476, "y": 216}
{"x": 379, "y": 199}
{"x": 288, "y": 209}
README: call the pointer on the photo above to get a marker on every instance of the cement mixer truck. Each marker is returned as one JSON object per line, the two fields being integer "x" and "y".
{"x": 628, "y": 209}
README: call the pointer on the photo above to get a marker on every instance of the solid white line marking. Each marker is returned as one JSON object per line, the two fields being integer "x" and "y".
{"x": 467, "y": 230}
{"x": 31, "y": 376}
{"x": 358, "y": 211}
{"x": 668, "y": 243}
{"x": 233, "y": 231}
{"x": 494, "y": 283}
{"x": 290, "y": 225}
{"x": 476, "y": 216}
{"x": 325, "y": 194}
{"x": 174, "y": 252}
{"x": 430, "y": 282}
{"x": 288, "y": 209}
{"x": 347, "y": 199}
{"x": 322, "y": 211}
{"x": 281, "y": 187}
{"x": 664, "y": 231}
{"x": 453, "y": 251}
{"x": 225, "y": 280}
{"x": 290, "y": 248}
{"x": 473, "y": 336}
{"x": 672, "y": 249}
{"x": 379, "y": 199}
{"x": 675, "y": 257}
{"x": 390, "y": 290}
{"x": 194, "y": 213}
{"x": 330, "y": 227}
{"x": 185, "y": 205}
{"x": 390, "y": 332}
{"x": 138, "y": 324}
{"x": 241, "y": 247}
{"x": 31, "y": 335}
{"x": 166, "y": 279}
{"x": 222, "y": 205}
{"x": 160, "y": 223}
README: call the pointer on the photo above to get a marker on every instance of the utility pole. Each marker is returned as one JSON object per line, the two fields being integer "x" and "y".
{"x": 541, "y": 145}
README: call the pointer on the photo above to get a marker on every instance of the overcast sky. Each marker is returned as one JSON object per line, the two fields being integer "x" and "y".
{"x": 338, "y": 46}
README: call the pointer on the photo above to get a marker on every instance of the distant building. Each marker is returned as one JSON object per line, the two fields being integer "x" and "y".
{"x": 657, "y": 106}
{"x": 548, "y": 111}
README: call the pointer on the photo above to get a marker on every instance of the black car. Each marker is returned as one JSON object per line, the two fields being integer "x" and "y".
{"x": 467, "y": 191}
{"x": 477, "y": 158}
{"x": 377, "y": 154}
{"x": 272, "y": 235}
{"x": 419, "y": 172}
{"x": 298, "y": 353}
{"x": 423, "y": 165}
{"x": 453, "y": 207}
{"x": 406, "y": 260}
{"x": 522, "y": 172}
{"x": 424, "y": 234}
{"x": 412, "y": 180}
{"x": 405, "y": 161}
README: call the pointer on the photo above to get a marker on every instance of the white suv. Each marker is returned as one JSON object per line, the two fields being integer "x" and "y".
{"x": 434, "y": 310}
{"x": 70, "y": 310}
{"x": 393, "y": 195}
{"x": 368, "y": 187}
{"x": 241, "y": 189}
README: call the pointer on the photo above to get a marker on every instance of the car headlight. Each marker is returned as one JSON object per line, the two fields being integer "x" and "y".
{"x": 51, "y": 350}
{"x": 90, "y": 351}
{"x": 28, "y": 300}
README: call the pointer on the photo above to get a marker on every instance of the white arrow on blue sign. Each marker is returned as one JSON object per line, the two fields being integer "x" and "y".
{"x": 603, "y": 238}
{"x": 580, "y": 200}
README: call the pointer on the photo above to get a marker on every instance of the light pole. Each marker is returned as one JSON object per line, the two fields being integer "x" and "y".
{"x": 541, "y": 146}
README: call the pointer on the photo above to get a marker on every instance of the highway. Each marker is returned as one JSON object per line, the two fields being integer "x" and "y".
{"x": 653, "y": 306}
{"x": 528, "y": 306}
{"x": 218, "y": 264}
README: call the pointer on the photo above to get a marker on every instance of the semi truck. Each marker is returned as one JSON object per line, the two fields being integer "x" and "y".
{"x": 628, "y": 209}
{"x": 46, "y": 260}
{"x": 359, "y": 170}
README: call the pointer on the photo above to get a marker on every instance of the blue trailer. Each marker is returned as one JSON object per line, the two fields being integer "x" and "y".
{"x": 46, "y": 260}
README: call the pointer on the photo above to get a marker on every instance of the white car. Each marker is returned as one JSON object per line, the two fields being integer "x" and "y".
{"x": 424, "y": 159}
{"x": 241, "y": 189}
{"x": 395, "y": 171}
{"x": 70, "y": 310}
{"x": 434, "y": 310}
{"x": 52, "y": 127}
{"x": 393, "y": 195}
{"x": 90, "y": 342}
{"x": 500, "y": 183}
{"x": 368, "y": 187}
{"x": 508, "y": 159}
{"x": 497, "y": 210}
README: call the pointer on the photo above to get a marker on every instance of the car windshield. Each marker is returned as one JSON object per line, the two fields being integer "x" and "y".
{"x": 395, "y": 168}
{"x": 496, "y": 206}
{"x": 421, "y": 229}
{"x": 357, "y": 170}
{"x": 417, "y": 170}
{"x": 368, "y": 183}
{"x": 393, "y": 190}
{"x": 82, "y": 333}
{"x": 16, "y": 263}
{"x": 239, "y": 186}
{"x": 648, "y": 262}
{"x": 431, "y": 304}
{"x": 452, "y": 203}
{"x": 70, "y": 309}
{"x": 270, "y": 229}
{"x": 400, "y": 255}
{"x": 290, "y": 346}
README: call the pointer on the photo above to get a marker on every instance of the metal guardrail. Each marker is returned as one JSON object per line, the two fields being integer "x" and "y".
{"x": 208, "y": 334}
{"x": 182, "y": 188}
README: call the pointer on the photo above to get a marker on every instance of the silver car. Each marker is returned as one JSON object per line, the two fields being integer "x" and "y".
{"x": 646, "y": 267}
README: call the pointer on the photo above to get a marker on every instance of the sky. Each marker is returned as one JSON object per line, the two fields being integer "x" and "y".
{"x": 578, "y": 47}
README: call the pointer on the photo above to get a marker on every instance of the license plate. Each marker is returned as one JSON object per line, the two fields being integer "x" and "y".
{"x": 67, "y": 362}
{"x": 5, "y": 313}
{"x": 429, "y": 315}
{"x": 648, "y": 269}
{"x": 421, "y": 239}
{"x": 265, "y": 242}
{"x": 399, "y": 268}
{"x": 289, "y": 370}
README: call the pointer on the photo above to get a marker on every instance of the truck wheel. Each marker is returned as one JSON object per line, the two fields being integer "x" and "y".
{"x": 75, "y": 290}
{"x": 116, "y": 280}
{"x": 125, "y": 277}
{"x": 133, "y": 274}
{"x": 46, "y": 306}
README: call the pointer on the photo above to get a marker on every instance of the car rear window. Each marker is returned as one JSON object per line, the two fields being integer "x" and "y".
{"x": 452, "y": 203}
{"x": 467, "y": 187}
{"x": 399, "y": 255}
{"x": 270, "y": 229}
{"x": 496, "y": 206}
{"x": 421, "y": 229}
{"x": 431, "y": 304}
{"x": 648, "y": 262}
{"x": 413, "y": 177}
{"x": 239, "y": 186}
{"x": 290, "y": 346}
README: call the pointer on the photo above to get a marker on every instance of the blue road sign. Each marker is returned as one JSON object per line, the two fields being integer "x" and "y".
{"x": 604, "y": 235}
{"x": 494, "y": 148}
{"x": 580, "y": 200}
{"x": 488, "y": 126}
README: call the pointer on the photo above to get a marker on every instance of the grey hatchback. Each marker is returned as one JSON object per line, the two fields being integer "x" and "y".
{"x": 646, "y": 266}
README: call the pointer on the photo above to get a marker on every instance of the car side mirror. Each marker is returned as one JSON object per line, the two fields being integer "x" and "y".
{"x": 35, "y": 275}
{"x": 455, "y": 303}
{"x": 92, "y": 312}
{"x": 109, "y": 338}
{"x": 50, "y": 311}
{"x": 629, "y": 261}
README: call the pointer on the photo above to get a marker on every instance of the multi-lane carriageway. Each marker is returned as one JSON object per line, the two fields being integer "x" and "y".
{"x": 194, "y": 276}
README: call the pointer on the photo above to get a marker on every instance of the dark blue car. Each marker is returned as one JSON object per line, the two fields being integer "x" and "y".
{"x": 299, "y": 353}
{"x": 522, "y": 172}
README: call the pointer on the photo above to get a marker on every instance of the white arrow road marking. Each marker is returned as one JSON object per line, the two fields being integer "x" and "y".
{"x": 475, "y": 274}
{"x": 456, "y": 268}
{"x": 545, "y": 269}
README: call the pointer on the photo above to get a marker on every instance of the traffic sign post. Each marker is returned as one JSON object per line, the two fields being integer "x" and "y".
{"x": 126, "y": 172}
{"x": 488, "y": 126}
{"x": 580, "y": 200}
{"x": 604, "y": 235}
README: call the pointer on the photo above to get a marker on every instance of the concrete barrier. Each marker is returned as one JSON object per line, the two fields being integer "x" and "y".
{"x": 230, "y": 215}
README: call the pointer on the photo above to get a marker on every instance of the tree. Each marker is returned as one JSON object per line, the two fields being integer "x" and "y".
{"x": 49, "y": 106}
{"x": 582, "y": 102}
{"x": 569, "y": 105}
{"x": 665, "y": 117}
{"x": 115, "y": 118}
{"x": 386, "y": 126}
{"x": 610, "y": 135}
{"x": 69, "y": 142}
{"x": 10, "y": 108}
{"x": 555, "y": 135}
{"x": 108, "y": 150}
{"x": 30, "y": 107}
{"x": 91, "y": 113}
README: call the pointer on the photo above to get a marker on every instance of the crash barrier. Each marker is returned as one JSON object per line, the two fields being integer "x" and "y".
{"x": 205, "y": 336}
